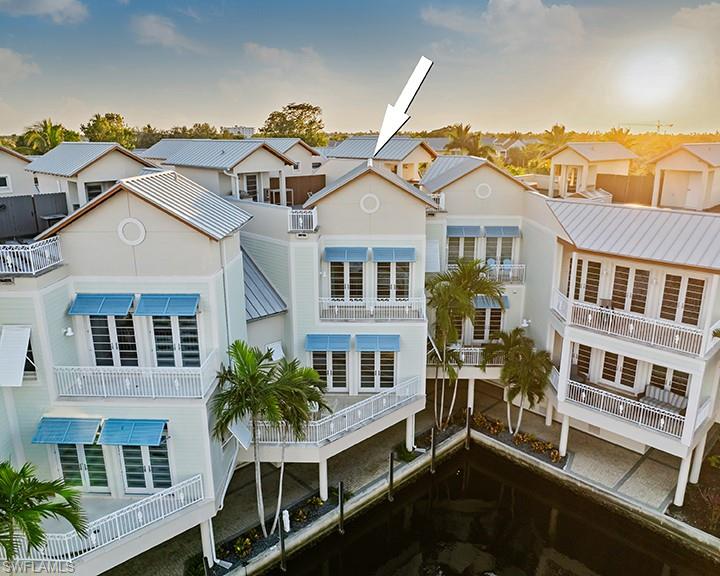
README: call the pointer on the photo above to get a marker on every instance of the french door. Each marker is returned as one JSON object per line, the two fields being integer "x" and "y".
{"x": 146, "y": 468}
{"x": 377, "y": 370}
{"x": 461, "y": 248}
{"x": 83, "y": 465}
{"x": 176, "y": 341}
{"x": 332, "y": 368}
{"x": 393, "y": 280}
{"x": 619, "y": 370}
{"x": 251, "y": 185}
{"x": 630, "y": 289}
{"x": 499, "y": 250}
{"x": 682, "y": 299}
{"x": 346, "y": 280}
{"x": 587, "y": 281}
{"x": 487, "y": 321}
{"x": 113, "y": 340}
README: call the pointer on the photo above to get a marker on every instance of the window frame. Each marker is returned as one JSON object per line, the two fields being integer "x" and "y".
{"x": 7, "y": 189}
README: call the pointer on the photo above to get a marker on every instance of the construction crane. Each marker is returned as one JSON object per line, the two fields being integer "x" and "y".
{"x": 657, "y": 125}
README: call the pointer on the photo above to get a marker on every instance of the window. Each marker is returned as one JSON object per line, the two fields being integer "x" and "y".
{"x": 393, "y": 280}
{"x": 332, "y": 368}
{"x": 675, "y": 380}
{"x": 460, "y": 248}
{"x": 584, "y": 355}
{"x": 392, "y": 167}
{"x": 83, "y": 465}
{"x": 296, "y": 165}
{"x": 251, "y": 185}
{"x": 499, "y": 250}
{"x": 4, "y": 183}
{"x": 587, "y": 281}
{"x": 113, "y": 340}
{"x": 422, "y": 168}
{"x": 93, "y": 190}
{"x": 682, "y": 299}
{"x": 146, "y": 468}
{"x": 377, "y": 370}
{"x": 346, "y": 280}
{"x": 176, "y": 340}
{"x": 36, "y": 181}
{"x": 487, "y": 321}
{"x": 316, "y": 165}
{"x": 619, "y": 370}
{"x": 30, "y": 368}
{"x": 610, "y": 364}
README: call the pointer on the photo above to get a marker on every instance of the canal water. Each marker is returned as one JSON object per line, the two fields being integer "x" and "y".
{"x": 482, "y": 515}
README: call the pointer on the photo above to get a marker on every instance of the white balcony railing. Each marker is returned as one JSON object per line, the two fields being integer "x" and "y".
{"x": 654, "y": 331}
{"x": 628, "y": 409}
{"x": 302, "y": 220}
{"x": 509, "y": 273}
{"x": 29, "y": 259}
{"x": 119, "y": 524}
{"x": 348, "y": 419}
{"x": 472, "y": 356}
{"x": 439, "y": 199}
{"x": 372, "y": 309}
{"x": 137, "y": 382}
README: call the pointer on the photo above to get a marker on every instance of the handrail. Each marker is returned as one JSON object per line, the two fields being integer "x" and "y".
{"x": 69, "y": 546}
{"x": 472, "y": 355}
{"x": 137, "y": 381}
{"x": 29, "y": 259}
{"x": 334, "y": 425}
{"x": 302, "y": 220}
{"x": 372, "y": 309}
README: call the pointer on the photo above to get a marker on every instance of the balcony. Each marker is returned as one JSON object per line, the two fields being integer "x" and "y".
{"x": 342, "y": 422}
{"x": 508, "y": 273}
{"x": 652, "y": 331}
{"x": 472, "y": 356}
{"x": 29, "y": 259}
{"x": 363, "y": 309}
{"x": 302, "y": 220}
{"x": 136, "y": 382}
{"x": 69, "y": 546}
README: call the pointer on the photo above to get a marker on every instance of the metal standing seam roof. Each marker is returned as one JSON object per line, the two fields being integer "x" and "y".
{"x": 657, "y": 234}
{"x": 167, "y": 147}
{"x": 261, "y": 298}
{"x": 218, "y": 154}
{"x": 597, "y": 151}
{"x": 361, "y": 170}
{"x": 69, "y": 158}
{"x": 447, "y": 169}
{"x": 708, "y": 152}
{"x": 363, "y": 147}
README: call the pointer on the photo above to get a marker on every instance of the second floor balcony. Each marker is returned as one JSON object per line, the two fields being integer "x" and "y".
{"x": 29, "y": 259}
{"x": 367, "y": 309}
{"x": 302, "y": 220}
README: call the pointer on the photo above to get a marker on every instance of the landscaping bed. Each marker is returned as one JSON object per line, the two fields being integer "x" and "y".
{"x": 523, "y": 441}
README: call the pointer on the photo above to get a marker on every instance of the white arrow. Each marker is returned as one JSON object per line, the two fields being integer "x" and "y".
{"x": 396, "y": 116}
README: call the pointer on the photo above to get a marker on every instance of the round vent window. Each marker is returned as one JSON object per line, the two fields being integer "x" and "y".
{"x": 131, "y": 231}
{"x": 370, "y": 203}
{"x": 483, "y": 191}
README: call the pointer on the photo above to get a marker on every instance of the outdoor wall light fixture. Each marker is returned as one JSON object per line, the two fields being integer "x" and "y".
{"x": 525, "y": 323}
{"x": 69, "y": 331}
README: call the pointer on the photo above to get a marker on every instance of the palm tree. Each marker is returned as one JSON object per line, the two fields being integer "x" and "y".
{"x": 25, "y": 501}
{"x": 451, "y": 294}
{"x": 43, "y": 136}
{"x": 461, "y": 138}
{"x": 256, "y": 388}
{"x": 621, "y": 136}
{"x": 554, "y": 138}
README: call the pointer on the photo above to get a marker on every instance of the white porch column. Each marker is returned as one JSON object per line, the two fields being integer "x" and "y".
{"x": 564, "y": 371}
{"x": 208, "y": 542}
{"x": 323, "y": 479}
{"x": 698, "y": 460}
{"x": 564, "y": 433}
{"x": 562, "y": 187}
{"x": 548, "y": 413}
{"x": 410, "y": 433}
{"x": 551, "y": 184}
{"x": 283, "y": 189}
{"x": 682, "y": 480}
{"x": 471, "y": 395}
{"x": 656, "y": 187}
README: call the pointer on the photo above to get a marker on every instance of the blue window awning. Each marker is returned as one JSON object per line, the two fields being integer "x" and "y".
{"x": 345, "y": 254}
{"x": 378, "y": 342}
{"x": 487, "y": 302}
{"x": 167, "y": 305}
{"x": 502, "y": 231}
{"x": 101, "y": 305}
{"x": 117, "y": 432}
{"x": 393, "y": 254}
{"x": 327, "y": 342}
{"x": 66, "y": 431}
{"x": 464, "y": 231}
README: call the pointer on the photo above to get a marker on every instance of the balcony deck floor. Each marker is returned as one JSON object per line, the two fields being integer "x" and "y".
{"x": 94, "y": 506}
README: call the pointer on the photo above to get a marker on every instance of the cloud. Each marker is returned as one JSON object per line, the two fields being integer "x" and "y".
{"x": 15, "y": 66}
{"x": 59, "y": 11}
{"x": 190, "y": 12}
{"x": 513, "y": 25}
{"x": 152, "y": 29}
{"x": 282, "y": 58}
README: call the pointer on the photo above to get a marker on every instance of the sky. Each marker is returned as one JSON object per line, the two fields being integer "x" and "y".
{"x": 499, "y": 65}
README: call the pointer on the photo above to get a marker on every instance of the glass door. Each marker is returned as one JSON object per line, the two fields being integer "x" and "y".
{"x": 377, "y": 370}
{"x": 347, "y": 280}
{"x": 176, "y": 340}
{"x": 113, "y": 340}
{"x": 393, "y": 280}
{"x": 682, "y": 299}
{"x": 630, "y": 289}
{"x": 146, "y": 468}
{"x": 83, "y": 465}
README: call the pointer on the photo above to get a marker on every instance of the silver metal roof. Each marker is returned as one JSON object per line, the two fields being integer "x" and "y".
{"x": 261, "y": 299}
{"x": 167, "y": 147}
{"x": 438, "y": 143}
{"x": 708, "y": 152}
{"x": 216, "y": 154}
{"x": 446, "y": 169}
{"x": 361, "y": 147}
{"x": 597, "y": 151}
{"x": 361, "y": 170}
{"x": 670, "y": 236}
{"x": 164, "y": 148}
{"x": 69, "y": 158}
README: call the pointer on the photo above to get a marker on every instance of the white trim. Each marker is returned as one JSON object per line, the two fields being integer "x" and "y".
{"x": 140, "y": 229}
{"x": 6, "y": 189}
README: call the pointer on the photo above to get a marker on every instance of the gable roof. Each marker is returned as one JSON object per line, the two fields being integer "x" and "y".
{"x": 707, "y": 152}
{"x": 447, "y": 169}
{"x": 69, "y": 158}
{"x": 438, "y": 143}
{"x": 261, "y": 298}
{"x": 282, "y": 145}
{"x": 176, "y": 195}
{"x": 15, "y": 153}
{"x": 363, "y": 147}
{"x": 166, "y": 147}
{"x": 218, "y": 154}
{"x": 597, "y": 151}
{"x": 670, "y": 236}
{"x": 360, "y": 171}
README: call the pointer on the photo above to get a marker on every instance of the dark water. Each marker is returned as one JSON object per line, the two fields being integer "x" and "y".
{"x": 481, "y": 515}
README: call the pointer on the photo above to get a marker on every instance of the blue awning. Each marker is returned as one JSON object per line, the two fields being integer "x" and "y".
{"x": 487, "y": 302}
{"x": 327, "y": 342}
{"x": 393, "y": 254}
{"x": 377, "y": 342}
{"x": 167, "y": 305}
{"x": 101, "y": 305}
{"x": 345, "y": 254}
{"x": 118, "y": 432}
{"x": 66, "y": 431}
{"x": 502, "y": 231}
{"x": 464, "y": 231}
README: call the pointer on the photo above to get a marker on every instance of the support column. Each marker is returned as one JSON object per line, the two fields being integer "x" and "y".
{"x": 656, "y": 188}
{"x": 564, "y": 433}
{"x": 208, "y": 542}
{"x": 548, "y": 413}
{"x": 551, "y": 183}
{"x": 283, "y": 189}
{"x": 564, "y": 371}
{"x": 410, "y": 433}
{"x": 471, "y": 395}
{"x": 698, "y": 460}
{"x": 563, "y": 185}
{"x": 323, "y": 479}
{"x": 682, "y": 480}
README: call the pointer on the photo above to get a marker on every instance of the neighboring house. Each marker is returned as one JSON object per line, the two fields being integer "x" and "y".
{"x": 577, "y": 165}
{"x": 244, "y": 131}
{"x": 14, "y": 180}
{"x": 688, "y": 177}
{"x": 83, "y": 170}
{"x": 406, "y": 157}
{"x": 503, "y": 146}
